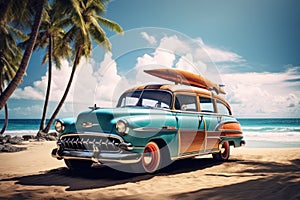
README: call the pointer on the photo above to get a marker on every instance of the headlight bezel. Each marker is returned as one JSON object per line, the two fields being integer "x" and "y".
{"x": 59, "y": 126}
{"x": 122, "y": 127}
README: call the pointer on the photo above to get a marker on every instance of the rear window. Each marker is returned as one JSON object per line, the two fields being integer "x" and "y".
{"x": 222, "y": 109}
{"x": 206, "y": 105}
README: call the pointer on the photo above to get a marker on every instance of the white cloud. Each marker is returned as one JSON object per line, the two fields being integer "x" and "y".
{"x": 263, "y": 94}
{"x": 165, "y": 54}
{"x": 217, "y": 55}
{"x": 38, "y": 90}
{"x": 192, "y": 56}
{"x": 188, "y": 63}
{"x": 175, "y": 45}
{"x": 149, "y": 38}
{"x": 107, "y": 82}
{"x": 160, "y": 59}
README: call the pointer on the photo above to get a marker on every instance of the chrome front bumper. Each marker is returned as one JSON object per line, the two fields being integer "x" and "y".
{"x": 98, "y": 147}
{"x": 97, "y": 157}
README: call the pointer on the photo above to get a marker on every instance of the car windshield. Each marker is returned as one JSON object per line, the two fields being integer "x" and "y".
{"x": 146, "y": 98}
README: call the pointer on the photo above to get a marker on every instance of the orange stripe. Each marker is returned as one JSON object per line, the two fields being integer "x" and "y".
{"x": 231, "y": 126}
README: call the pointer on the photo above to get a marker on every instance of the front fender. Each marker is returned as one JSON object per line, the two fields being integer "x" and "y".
{"x": 69, "y": 124}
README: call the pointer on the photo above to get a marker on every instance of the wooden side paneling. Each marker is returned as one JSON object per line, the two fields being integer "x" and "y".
{"x": 191, "y": 141}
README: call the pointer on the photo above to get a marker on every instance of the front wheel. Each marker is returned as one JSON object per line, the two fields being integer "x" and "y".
{"x": 154, "y": 157}
{"x": 151, "y": 158}
{"x": 224, "y": 153}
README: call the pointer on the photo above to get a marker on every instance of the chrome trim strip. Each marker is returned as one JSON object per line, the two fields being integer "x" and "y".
{"x": 145, "y": 129}
{"x": 201, "y": 153}
{"x": 164, "y": 128}
{"x": 139, "y": 148}
{"x": 214, "y": 137}
{"x": 182, "y": 157}
{"x": 201, "y": 113}
{"x": 169, "y": 128}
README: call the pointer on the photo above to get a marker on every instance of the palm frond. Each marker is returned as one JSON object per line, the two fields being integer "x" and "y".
{"x": 18, "y": 33}
{"x": 99, "y": 34}
{"x": 109, "y": 24}
{"x": 78, "y": 15}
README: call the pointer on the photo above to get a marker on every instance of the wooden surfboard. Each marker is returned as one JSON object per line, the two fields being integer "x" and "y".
{"x": 186, "y": 78}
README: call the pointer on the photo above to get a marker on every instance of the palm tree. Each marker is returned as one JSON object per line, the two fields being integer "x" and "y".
{"x": 51, "y": 36}
{"x": 8, "y": 12}
{"x": 10, "y": 54}
{"x": 84, "y": 22}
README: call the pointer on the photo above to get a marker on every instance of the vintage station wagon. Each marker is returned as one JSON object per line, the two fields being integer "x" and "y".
{"x": 151, "y": 126}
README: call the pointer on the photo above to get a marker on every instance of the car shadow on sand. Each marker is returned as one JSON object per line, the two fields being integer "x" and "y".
{"x": 277, "y": 181}
{"x": 105, "y": 176}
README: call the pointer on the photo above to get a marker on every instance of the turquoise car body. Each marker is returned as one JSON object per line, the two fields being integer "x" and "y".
{"x": 185, "y": 132}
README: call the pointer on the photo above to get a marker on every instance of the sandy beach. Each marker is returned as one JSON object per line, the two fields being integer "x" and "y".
{"x": 251, "y": 173}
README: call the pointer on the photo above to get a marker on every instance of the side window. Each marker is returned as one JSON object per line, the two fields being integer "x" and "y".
{"x": 222, "y": 109}
{"x": 206, "y": 105}
{"x": 186, "y": 103}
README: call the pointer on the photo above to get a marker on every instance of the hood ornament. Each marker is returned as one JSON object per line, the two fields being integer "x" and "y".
{"x": 89, "y": 124}
{"x": 95, "y": 107}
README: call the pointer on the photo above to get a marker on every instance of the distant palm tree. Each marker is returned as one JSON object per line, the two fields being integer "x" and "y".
{"x": 10, "y": 13}
{"x": 84, "y": 22}
{"x": 51, "y": 36}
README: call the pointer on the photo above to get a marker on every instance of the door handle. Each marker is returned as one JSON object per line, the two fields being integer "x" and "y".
{"x": 219, "y": 119}
{"x": 200, "y": 122}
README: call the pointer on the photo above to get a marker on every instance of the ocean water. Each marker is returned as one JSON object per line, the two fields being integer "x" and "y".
{"x": 264, "y": 132}
{"x": 261, "y": 133}
{"x": 22, "y": 126}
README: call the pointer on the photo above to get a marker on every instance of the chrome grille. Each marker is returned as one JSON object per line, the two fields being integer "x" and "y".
{"x": 89, "y": 143}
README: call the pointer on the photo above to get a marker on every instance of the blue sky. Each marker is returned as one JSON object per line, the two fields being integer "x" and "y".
{"x": 254, "y": 44}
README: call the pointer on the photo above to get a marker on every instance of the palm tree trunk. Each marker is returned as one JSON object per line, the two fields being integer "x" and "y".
{"x": 43, "y": 120}
{"x": 6, "y": 117}
{"x": 26, "y": 56}
{"x": 5, "y": 121}
{"x": 59, "y": 106}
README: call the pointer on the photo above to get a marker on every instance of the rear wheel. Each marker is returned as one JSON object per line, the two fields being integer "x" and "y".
{"x": 224, "y": 153}
{"x": 78, "y": 164}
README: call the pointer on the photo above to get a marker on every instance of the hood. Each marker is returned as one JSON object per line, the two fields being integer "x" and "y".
{"x": 104, "y": 120}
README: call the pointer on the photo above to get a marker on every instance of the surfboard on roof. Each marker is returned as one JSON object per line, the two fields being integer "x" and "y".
{"x": 187, "y": 78}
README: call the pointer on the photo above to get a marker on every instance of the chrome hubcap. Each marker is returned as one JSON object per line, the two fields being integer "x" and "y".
{"x": 147, "y": 158}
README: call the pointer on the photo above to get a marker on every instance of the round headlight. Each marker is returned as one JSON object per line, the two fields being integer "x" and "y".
{"x": 122, "y": 127}
{"x": 59, "y": 127}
